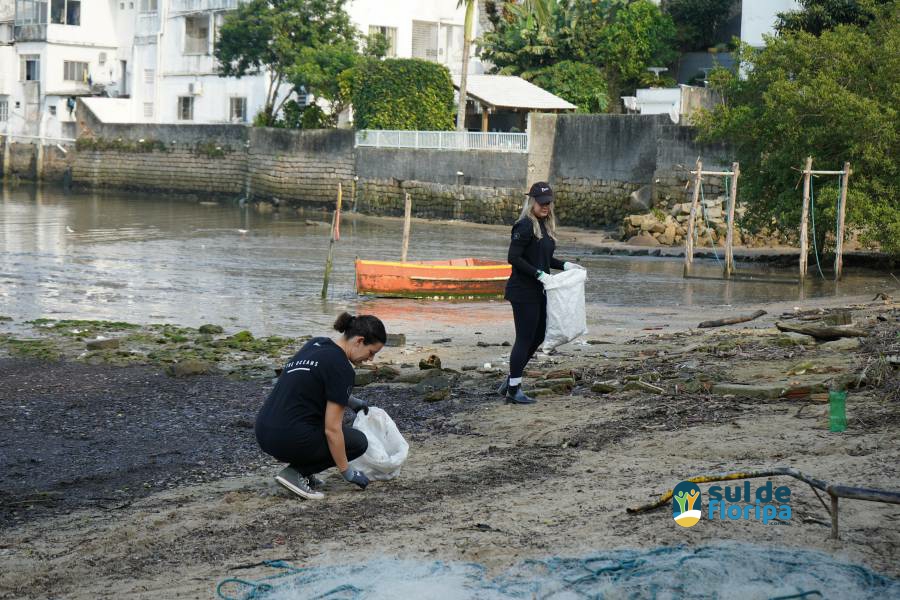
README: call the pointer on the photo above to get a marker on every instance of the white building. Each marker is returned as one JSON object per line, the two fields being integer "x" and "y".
{"x": 152, "y": 60}
{"x": 759, "y": 16}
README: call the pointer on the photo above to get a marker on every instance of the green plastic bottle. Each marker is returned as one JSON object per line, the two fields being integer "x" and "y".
{"x": 837, "y": 416}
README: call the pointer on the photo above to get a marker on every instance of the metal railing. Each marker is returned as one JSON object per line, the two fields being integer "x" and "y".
{"x": 443, "y": 140}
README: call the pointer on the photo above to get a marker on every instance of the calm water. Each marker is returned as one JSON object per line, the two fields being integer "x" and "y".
{"x": 153, "y": 258}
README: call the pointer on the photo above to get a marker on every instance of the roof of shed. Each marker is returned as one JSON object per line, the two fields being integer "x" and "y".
{"x": 504, "y": 91}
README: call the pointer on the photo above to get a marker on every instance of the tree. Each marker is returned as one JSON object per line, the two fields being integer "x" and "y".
{"x": 290, "y": 40}
{"x": 834, "y": 97}
{"x": 622, "y": 37}
{"x": 698, "y": 22}
{"x": 816, "y": 16}
{"x": 402, "y": 93}
{"x": 540, "y": 9}
{"x": 582, "y": 85}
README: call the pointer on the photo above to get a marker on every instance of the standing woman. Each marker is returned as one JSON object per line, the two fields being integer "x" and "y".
{"x": 531, "y": 257}
{"x": 301, "y": 422}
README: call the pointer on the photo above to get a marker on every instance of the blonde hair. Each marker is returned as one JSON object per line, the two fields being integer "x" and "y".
{"x": 549, "y": 222}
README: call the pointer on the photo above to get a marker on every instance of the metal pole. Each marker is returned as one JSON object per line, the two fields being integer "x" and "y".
{"x": 729, "y": 235}
{"x": 804, "y": 217}
{"x": 842, "y": 210}
{"x": 689, "y": 234}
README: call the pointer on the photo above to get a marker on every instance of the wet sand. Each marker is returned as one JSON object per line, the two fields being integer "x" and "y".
{"x": 111, "y": 511}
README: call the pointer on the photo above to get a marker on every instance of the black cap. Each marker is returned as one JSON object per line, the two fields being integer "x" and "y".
{"x": 541, "y": 192}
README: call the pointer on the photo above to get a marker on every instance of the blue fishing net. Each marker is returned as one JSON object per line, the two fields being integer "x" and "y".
{"x": 710, "y": 572}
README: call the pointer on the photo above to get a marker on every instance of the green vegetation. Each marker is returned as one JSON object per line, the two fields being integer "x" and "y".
{"x": 698, "y": 22}
{"x": 834, "y": 97}
{"x": 581, "y": 84}
{"x": 402, "y": 94}
{"x": 621, "y": 38}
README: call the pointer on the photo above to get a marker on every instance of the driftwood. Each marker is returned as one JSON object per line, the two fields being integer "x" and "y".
{"x": 732, "y": 320}
{"x": 823, "y": 332}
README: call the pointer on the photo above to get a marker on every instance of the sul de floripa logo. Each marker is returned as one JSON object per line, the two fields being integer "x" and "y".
{"x": 731, "y": 503}
{"x": 686, "y": 504}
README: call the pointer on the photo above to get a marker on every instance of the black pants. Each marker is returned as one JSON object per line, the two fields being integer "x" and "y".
{"x": 531, "y": 324}
{"x": 306, "y": 449}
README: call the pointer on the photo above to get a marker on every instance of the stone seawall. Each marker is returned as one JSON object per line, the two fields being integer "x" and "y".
{"x": 440, "y": 201}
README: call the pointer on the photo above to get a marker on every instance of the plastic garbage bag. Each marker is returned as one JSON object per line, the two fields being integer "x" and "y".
{"x": 387, "y": 449}
{"x": 566, "y": 319}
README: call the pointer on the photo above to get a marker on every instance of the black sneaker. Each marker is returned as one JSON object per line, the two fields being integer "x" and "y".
{"x": 315, "y": 482}
{"x": 292, "y": 480}
{"x": 518, "y": 397}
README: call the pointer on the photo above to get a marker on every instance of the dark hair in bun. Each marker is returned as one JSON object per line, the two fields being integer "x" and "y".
{"x": 369, "y": 327}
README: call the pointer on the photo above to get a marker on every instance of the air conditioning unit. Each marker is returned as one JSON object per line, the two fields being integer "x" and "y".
{"x": 195, "y": 89}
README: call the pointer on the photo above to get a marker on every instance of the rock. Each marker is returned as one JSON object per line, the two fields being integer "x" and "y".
{"x": 744, "y": 390}
{"x": 605, "y": 387}
{"x": 188, "y": 368}
{"x": 442, "y": 341}
{"x": 469, "y": 367}
{"x": 437, "y": 395}
{"x": 563, "y": 383}
{"x": 363, "y": 377}
{"x": 560, "y": 373}
{"x": 386, "y": 372}
{"x": 211, "y": 329}
{"x": 204, "y": 338}
{"x": 643, "y": 239}
{"x": 641, "y": 198}
{"x": 636, "y": 220}
{"x": 657, "y": 228}
{"x": 840, "y": 317}
{"x": 841, "y": 344}
{"x": 103, "y": 344}
{"x": 432, "y": 362}
{"x": 666, "y": 239}
{"x": 396, "y": 339}
{"x": 431, "y": 384}
{"x": 416, "y": 376}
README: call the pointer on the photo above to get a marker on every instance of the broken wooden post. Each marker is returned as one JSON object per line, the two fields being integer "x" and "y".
{"x": 689, "y": 234}
{"x": 732, "y": 320}
{"x": 804, "y": 219}
{"x": 839, "y": 239}
{"x": 823, "y": 332}
{"x": 407, "y": 214}
{"x": 6, "y": 157}
{"x": 729, "y": 233}
{"x": 335, "y": 225}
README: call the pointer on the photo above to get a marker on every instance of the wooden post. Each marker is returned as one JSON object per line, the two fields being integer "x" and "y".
{"x": 407, "y": 214}
{"x": 6, "y": 157}
{"x": 729, "y": 234}
{"x": 839, "y": 240}
{"x": 334, "y": 230}
{"x": 804, "y": 219}
{"x": 689, "y": 234}
{"x": 484, "y": 120}
{"x": 835, "y": 535}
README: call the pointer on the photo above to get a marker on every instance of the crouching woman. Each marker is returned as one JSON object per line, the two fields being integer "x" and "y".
{"x": 301, "y": 421}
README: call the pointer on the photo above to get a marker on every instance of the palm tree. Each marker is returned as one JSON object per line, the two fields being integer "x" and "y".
{"x": 540, "y": 9}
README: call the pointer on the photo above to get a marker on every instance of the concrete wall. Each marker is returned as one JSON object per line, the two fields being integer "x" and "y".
{"x": 676, "y": 155}
{"x": 478, "y": 168}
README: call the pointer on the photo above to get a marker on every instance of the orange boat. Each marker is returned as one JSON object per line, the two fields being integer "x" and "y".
{"x": 454, "y": 278}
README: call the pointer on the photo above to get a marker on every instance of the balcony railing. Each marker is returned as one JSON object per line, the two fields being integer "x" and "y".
{"x": 182, "y": 6}
{"x": 443, "y": 140}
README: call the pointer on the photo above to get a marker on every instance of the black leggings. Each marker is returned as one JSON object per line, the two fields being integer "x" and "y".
{"x": 531, "y": 324}
{"x": 306, "y": 449}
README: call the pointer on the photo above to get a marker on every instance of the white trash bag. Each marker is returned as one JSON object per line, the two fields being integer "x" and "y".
{"x": 387, "y": 449}
{"x": 566, "y": 319}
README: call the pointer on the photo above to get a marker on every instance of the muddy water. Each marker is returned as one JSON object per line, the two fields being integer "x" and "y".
{"x": 159, "y": 259}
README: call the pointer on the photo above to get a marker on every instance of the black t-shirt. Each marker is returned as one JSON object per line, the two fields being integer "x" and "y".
{"x": 318, "y": 373}
{"x": 527, "y": 255}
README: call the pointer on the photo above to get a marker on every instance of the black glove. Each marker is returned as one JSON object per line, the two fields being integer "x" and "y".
{"x": 358, "y": 404}
{"x": 357, "y": 477}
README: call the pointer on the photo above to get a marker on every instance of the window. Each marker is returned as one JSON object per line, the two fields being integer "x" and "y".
{"x": 53, "y": 110}
{"x": 4, "y": 110}
{"x": 65, "y": 12}
{"x": 425, "y": 40}
{"x": 149, "y": 75}
{"x": 238, "y": 110}
{"x": 30, "y": 67}
{"x": 196, "y": 34}
{"x": 148, "y": 109}
{"x": 149, "y": 6}
{"x": 390, "y": 34}
{"x": 185, "y": 108}
{"x": 75, "y": 71}
{"x": 31, "y": 12}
